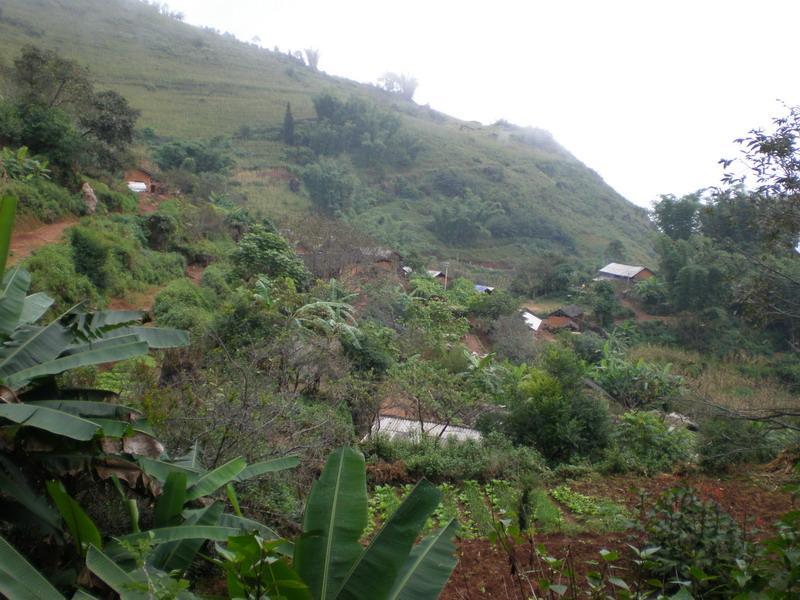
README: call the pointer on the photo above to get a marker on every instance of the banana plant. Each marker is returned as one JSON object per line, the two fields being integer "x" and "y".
{"x": 334, "y": 565}
{"x": 8, "y": 210}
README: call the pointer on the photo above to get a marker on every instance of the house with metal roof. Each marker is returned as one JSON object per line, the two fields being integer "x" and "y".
{"x": 628, "y": 273}
{"x": 484, "y": 289}
{"x": 532, "y": 321}
{"x": 397, "y": 427}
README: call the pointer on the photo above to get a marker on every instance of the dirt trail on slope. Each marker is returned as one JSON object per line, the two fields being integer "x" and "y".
{"x": 25, "y": 240}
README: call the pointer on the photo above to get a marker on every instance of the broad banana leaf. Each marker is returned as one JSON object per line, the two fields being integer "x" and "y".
{"x": 34, "y": 307}
{"x": 213, "y": 480}
{"x": 160, "y": 469}
{"x": 335, "y": 517}
{"x": 19, "y": 580}
{"x": 179, "y": 533}
{"x": 90, "y": 410}
{"x": 100, "y": 344}
{"x": 170, "y": 504}
{"x": 268, "y": 466}
{"x": 30, "y": 346}
{"x": 379, "y": 565}
{"x": 12, "y": 299}
{"x": 54, "y": 421}
{"x": 8, "y": 210}
{"x": 131, "y": 349}
{"x": 107, "y": 570}
{"x": 15, "y": 485}
{"x": 156, "y": 337}
{"x": 428, "y": 567}
{"x": 80, "y": 526}
{"x": 136, "y": 585}
{"x": 190, "y": 460}
{"x": 247, "y": 526}
{"x": 178, "y": 555}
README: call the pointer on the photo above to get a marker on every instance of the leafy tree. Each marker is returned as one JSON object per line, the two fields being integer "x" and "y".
{"x": 262, "y": 252}
{"x": 111, "y": 120}
{"x": 196, "y": 157}
{"x": 312, "y": 57}
{"x": 615, "y": 251}
{"x": 463, "y": 221}
{"x": 399, "y": 83}
{"x": 604, "y": 303}
{"x": 678, "y": 217}
{"x": 287, "y": 132}
{"x": 548, "y": 274}
{"x": 330, "y": 184}
{"x": 45, "y": 79}
{"x": 559, "y": 424}
{"x": 773, "y": 161}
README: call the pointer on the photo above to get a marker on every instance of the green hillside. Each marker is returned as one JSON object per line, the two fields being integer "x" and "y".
{"x": 191, "y": 83}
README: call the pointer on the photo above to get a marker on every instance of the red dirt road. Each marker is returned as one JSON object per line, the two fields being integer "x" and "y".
{"x": 25, "y": 241}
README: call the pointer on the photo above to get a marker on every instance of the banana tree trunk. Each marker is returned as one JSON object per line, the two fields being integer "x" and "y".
{"x": 8, "y": 209}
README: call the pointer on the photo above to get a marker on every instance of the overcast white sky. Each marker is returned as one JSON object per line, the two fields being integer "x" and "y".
{"x": 648, "y": 93}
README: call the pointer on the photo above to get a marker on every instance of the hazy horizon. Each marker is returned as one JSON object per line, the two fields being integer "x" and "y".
{"x": 649, "y": 95}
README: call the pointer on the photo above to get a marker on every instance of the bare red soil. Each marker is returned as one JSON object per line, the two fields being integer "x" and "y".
{"x": 756, "y": 500}
{"x": 26, "y": 239}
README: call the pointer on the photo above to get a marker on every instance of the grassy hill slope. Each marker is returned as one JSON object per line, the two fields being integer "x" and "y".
{"x": 194, "y": 83}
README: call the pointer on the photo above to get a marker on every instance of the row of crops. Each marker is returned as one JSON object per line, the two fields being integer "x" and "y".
{"x": 479, "y": 507}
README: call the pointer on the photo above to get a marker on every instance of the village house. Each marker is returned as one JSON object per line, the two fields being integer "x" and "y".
{"x": 141, "y": 180}
{"x": 567, "y": 317}
{"x": 484, "y": 289}
{"x": 532, "y": 321}
{"x": 627, "y": 273}
{"x": 399, "y": 418}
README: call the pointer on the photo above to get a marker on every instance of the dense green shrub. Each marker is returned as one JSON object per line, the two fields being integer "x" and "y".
{"x": 561, "y": 426}
{"x": 110, "y": 253}
{"x": 643, "y": 443}
{"x": 330, "y": 184}
{"x": 194, "y": 157}
{"x": 262, "y": 252}
{"x": 494, "y": 457}
{"x": 492, "y": 305}
{"x": 114, "y": 200}
{"x": 43, "y": 199}
{"x": 725, "y": 442}
{"x": 698, "y": 543}
{"x": 53, "y": 271}
{"x": 549, "y": 274}
{"x": 183, "y": 305}
{"x": 216, "y": 278}
{"x": 463, "y": 220}
{"x": 637, "y": 384}
{"x": 91, "y": 252}
{"x": 374, "y": 137}
{"x": 375, "y": 349}
{"x": 588, "y": 346}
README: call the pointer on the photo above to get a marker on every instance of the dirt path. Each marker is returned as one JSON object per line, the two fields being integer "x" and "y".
{"x": 25, "y": 241}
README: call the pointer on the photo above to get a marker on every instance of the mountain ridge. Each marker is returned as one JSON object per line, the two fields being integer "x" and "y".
{"x": 193, "y": 83}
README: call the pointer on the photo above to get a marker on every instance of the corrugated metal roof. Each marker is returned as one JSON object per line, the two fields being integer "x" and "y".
{"x": 620, "y": 270}
{"x": 435, "y": 273}
{"x": 484, "y": 288}
{"x": 532, "y": 320}
{"x": 396, "y": 427}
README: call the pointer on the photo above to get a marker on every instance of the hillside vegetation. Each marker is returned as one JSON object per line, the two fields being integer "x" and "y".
{"x": 194, "y": 84}
{"x": 223, "y": 387}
